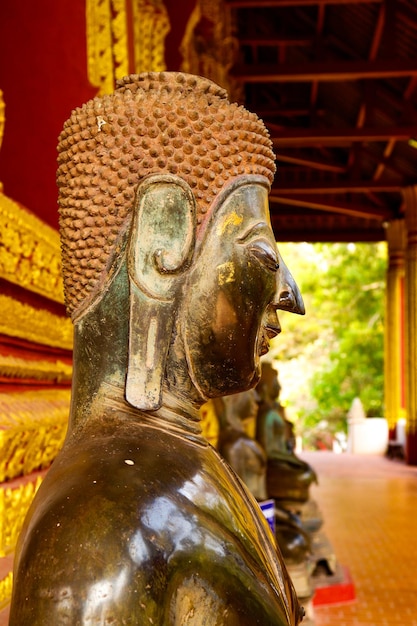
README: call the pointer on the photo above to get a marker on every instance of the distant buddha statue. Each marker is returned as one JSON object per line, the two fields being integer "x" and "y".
{"x": 247, "y": 457}
{"x": 288, "y": 476}
{"x": 172, "y": 278}
{"x": 243, "y": 453}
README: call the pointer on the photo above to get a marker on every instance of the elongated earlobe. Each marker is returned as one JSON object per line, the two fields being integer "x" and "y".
{"x": 160, "y": 250}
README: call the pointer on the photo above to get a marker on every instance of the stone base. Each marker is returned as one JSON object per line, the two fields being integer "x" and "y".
{"x": 307, "y": 603}
{"x": 323, "y": 557}
{"x": 337, "y": 588}
{"x": 308, "y": 512}
{"x": 301, "y": 579}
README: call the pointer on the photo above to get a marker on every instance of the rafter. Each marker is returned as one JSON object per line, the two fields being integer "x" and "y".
{"x": 340, "y": 137}
{"x": 292, "y": 3}
{"x": 382, "y": 160}
{"x": 352, "y": 210}
{"x": 326, "y": 72}
{"x": 322, "y": 234}
{"x": 282, "y": 112}
{"x": 276, "y": 41}
{"x": 317, "y": 164}
{"x": 335, "y": 151}
{"x": 360, "y": 186}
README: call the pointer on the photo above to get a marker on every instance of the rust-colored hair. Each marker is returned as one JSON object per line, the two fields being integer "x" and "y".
{"x": 164, "y": 122}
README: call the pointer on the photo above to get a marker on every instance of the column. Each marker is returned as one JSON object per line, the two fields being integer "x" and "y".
{"x": 394, "y": 362}
{"x": 410, "y": 197}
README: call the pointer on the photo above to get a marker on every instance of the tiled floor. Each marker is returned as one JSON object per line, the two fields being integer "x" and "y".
{"x": 369, "y": 505}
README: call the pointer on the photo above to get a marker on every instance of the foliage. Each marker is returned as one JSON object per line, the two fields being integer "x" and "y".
{"x": 336, "y": 352}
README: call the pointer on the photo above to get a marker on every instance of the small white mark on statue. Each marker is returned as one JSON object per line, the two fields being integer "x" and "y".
{"x": 100, "y": 122}
{"x": 129, "y": 462}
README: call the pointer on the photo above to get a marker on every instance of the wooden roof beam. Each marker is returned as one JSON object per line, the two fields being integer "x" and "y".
{"x": 282, "y": 112}
{"x": 334, "y": 71}
{"x": 317, "y": 164}
{"x": 383, "y": 160}
{"x": 303, "y": 137}
{"x": 361, "y": 186}
{"x": 352, "y": 210}
{"x": 320, "y": 234}
{"x": 275, "y": 41}
{"x": 242, "y": 4}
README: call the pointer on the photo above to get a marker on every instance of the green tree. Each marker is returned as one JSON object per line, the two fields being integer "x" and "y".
{"x": 336, "y": 353}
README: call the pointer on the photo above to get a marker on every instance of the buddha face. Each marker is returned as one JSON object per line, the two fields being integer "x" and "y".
{"x": 232, "y": 294}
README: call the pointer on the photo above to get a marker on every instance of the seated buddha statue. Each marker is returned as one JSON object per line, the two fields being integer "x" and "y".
{"x": 288, "y": 477}
{"x": 242, "y": 452}
{"x": 248, "y": 459}
{"x": 173, "y": 280}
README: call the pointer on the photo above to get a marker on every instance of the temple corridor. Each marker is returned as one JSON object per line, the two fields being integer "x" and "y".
{"x": 369, "y": 507}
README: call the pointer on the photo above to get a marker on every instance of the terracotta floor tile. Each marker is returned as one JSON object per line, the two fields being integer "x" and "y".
{"x": 369, "y": 506}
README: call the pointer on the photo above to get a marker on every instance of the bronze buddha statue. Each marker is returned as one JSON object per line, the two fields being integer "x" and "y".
{"x": 243, "y": 453}
{"x": 288, "y": 477}
{"x": 172, "y": 278}
{"x": 248, "y": 459}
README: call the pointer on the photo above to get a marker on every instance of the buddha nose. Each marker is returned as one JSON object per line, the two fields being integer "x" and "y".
{"x": 288, "y": 296}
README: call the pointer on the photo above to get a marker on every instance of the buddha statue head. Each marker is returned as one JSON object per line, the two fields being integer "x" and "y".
{"x": 166, "y": 183}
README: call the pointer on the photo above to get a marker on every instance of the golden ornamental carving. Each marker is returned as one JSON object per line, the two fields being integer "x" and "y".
{"x": 6, "y": 586}
{"x": 209, "y": 47}
{"x": 14, "y": 504}
{"x": 32, "y": 430}
{"x": 29, "y": 251}
{"x": 394, "y": 324}
{"x": 210, "y": 423}
{"x": 99, "y": 50}
{"x": 52, "y": 371}
{"x": 119, "y": 38}
{"x": 108, "y": 40}
{"x": 107, "y": 43}
{"x": 37, "y": 325}
{"x": 150, "y": 27}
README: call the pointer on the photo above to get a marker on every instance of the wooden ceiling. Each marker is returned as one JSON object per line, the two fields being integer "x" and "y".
{"x": 336, "y": 83}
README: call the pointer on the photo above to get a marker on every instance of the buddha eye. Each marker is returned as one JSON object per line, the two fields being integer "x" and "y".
{"x": 264, "y": 252}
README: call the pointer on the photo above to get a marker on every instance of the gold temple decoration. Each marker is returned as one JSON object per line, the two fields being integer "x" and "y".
{"x": 37, "y": 325}
{"x": 14, "y": 504}
{"x": 209, "y": 47}
{"x": 107, "y": 51}
{"x": 53, "y": 371}
{"x": 410, "y": 198}
{"x": 32, "y": 430}
{"x": 150, "y": 27}
{"x": 210, "y": 422}
{"x": 394, "y": 366}
{"x": 108, "y": 39}
{"x": 119, "y": 38}
{"x": 6, "y": 590}
{"x": 29, "y": 251}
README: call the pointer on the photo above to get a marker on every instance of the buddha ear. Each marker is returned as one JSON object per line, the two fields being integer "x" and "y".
{"x": 160, "y": 250}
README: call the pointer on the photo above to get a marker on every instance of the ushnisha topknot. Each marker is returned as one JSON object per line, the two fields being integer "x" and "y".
{"x": 165, "y": 122}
